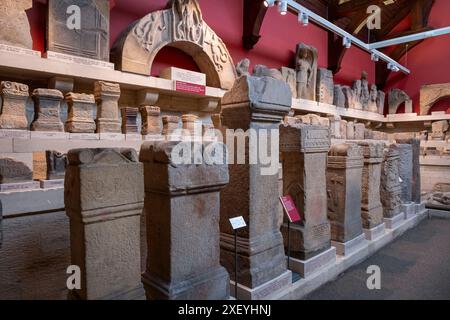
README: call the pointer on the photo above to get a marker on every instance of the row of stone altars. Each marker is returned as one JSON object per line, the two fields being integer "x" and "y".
{"x": 348, "y": 194}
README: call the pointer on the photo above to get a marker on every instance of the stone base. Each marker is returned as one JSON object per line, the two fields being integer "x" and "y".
{"x": 375, "y": 233}
{"x": 420, "y": 207}
{"x": 84, "y": 136}
{"x": 19, "y": 134}
{"x": 174, "y": 138}
{"x": 49, "y": 135}
{"x": 308, "y": 267}
{"x": 133, "y": 137}
{"x": 137, "y": 293}
{"x": 108, "y": 126}
{"x": 80, "y": 127}
{"x": 349, "y": 247}
{"x": 409, "y": 210}
{"x": 153, "y": 137}
{"x": 42, "y": 126}
{"x": 19, "y": 51}
{"x": 213, "y": 285}
{"x": 67, "y": 58}
{"x": 263, "y": 291}
{"x": 48, "y": 184}
{"x": 20, "y": 186}
{"x": 394, "y": 222}
{"x": 112, "y": 136}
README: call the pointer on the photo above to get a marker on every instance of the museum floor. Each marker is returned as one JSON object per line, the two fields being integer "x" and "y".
{"x": 415, "y": 266}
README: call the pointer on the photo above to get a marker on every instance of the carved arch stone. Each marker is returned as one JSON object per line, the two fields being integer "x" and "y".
{"x": 182, "y": 26}
{"x": 431, "y": 94}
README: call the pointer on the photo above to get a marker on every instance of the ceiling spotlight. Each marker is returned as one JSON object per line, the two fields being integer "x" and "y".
{"x": 346, "y": 42}
{"x": 269, "y": 3}
{"x": 395, "y": 69}
{"x": 375, "y": 58}
{"x": 303, "y": 18}
{"x": 282, "y": 7}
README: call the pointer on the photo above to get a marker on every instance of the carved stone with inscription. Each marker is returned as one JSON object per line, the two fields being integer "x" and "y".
{"x": 339, "y": 96}
{"x": 290, "y": 77}
{"x": 13, "y": 112}
{"x": 129, "y": 120}
{"x": 56, "y": 165}
{"x": 12, "y": 171}
{"x": 391, "y": 189}
{"x": 304, "y": 151}
{"x": 80, "y": 113}
{"x": 396, "y": 98}
{"x": 416, "y": 179}
{"x": 325, "y": 86}
{"x": 151, "y": 120}
{"x": 306, "y": 68}
{"x": 344, "y": 178}
{"x": 182, "y": 208}
{"x": 258, "y": 104}
{"x": 405, "y": 171}
{"x": 14, "y": 25}
{"x": 104, "y": 197}
{"x": 371, "y": 207}
{"x": 47, "y": 106}
{"x": 107, "y": 97}
{"x": 335, "y": 127}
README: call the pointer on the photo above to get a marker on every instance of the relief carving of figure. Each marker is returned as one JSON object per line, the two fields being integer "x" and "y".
{"x": 243, "y": 67}
{"x": 372, "y": 107}
{"x": 149, "y": 29}
{"x": 365, "y": 95}
{"x": 189, "y": 25}
{"x": 306, "y": 67}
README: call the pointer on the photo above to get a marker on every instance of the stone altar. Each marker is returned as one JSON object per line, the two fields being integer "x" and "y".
{"x": 170, "y": 125}
{"x": 325, "y": 86}
{"x": 381, "y": 100}
{"x": 13, "y": 112}
{"x": 14, "y": 25}
{"x": 405, "y": 171}
{"x": 391, "y": 189}
{"x": 80, "y": 117}
{"x": 151, "y": 120}
{"x": 107, "y": 97}
{"x": 47, "y": 106}
{"x": 104, "y": 196}
{"x": 129, "y": 120}
{"x": 306, "y": 68}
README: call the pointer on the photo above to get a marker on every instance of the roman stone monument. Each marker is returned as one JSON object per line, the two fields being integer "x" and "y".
{"x": 339, "y": 96}
{"x": 129, "y": 120}
{"x": 405, "y": 171}
{"x": 439, "y": 128}
{"x": 360, "y": 131}
{"x": 350, "y": 130}
{"x": 13, "y": 112}
{"x": 56, "y": 165}
{"x": 151, "y": 120}
{"x": 182, "y": 208}
{"x": 365, "y": 93}
{"x": 344, "y": 178}
{"x": 104, "y": 196}
{"x": 290, "y": 77}
{"x": 80, "y": 113}
{"x": 47, "y": 106}
{"x": 396, "y": 98}
{"x": 258, "y": 104}
{"x": 381, "y": 100}
{"x": 107, "y": 97}
{"x": 192, "y": 125}
{"x": 306, "y": 68}
{"x": 325, "y": 86}
{"x": 170, "y": 125}
{"x": 14, "y": 25}
{"x": 416, "y": 179}
{"x": 344, "y": 129}
{"x": 12, "y": 171}
{"x": 372, "y": 103}
{"x": 335, "y": 126}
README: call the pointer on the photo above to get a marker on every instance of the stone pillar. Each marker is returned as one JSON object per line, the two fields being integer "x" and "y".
{"x": 304, "y": 149}
{"x": 151, "y": 120}
{"x": 344, "y": 178}
{"x": 371, "y": 208}
{"x": 129, "y": 120}
{"x": 107, "y": 97}
{"x": 182, "y": 208}
{"x": 405, "y": 171}
{"x": 80, "y": 115}
{"x": 13, "y": 112}
{"x": 416, "y": 181}
{"x": 258, "y": 104}
{"x": 104, "y": 194}
{"x": 47, "y": 106}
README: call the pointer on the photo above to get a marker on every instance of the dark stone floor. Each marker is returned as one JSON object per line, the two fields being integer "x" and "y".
{"x": 414, "y": 267}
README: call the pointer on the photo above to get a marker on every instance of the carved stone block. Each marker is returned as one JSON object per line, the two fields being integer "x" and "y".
{"x": 395, "y": 99}
{"x": 430, "y": 94}
{"x": 416, "y": 179}
{"x": 391, "y": 189}
{"x": 170, "y": 124}
{"x": 325, "y": 86}
{"x": 339, "y": 96}
{"x": 47, "y": 106}
{"x": 14, "y": 25}
{"x": 129, "y": 120}
{"x": 381, "y": 100}
{"x": 107, "y": 97}
{"x": 56, "y": 165}
{"x": 360, "y": 131}
{"x": 12, "y": 171}
{"x": 192, "y": 125}
{"x": 13, "y": 112}
{"x": 80, "y": 117}
{"x": 306, "y": 68}
{"x": 290, "y": 77}
{"x": 405, "y": 171}
{"x": 151, "y": 120}
{"x": 439, "y": 130}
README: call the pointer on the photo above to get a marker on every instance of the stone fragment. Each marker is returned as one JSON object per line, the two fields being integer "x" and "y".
{"x": 306, "y": 68}
{"x": 14, "y": 25}
{"x": 290, "y": 77}
{"x": 192, "y": 125}
{"x": 12, "y": 171}
{"x": 243, "y": 67}
{"x": 359, "y": 131}
{"x": 129, "y": 120}
{"x": 339, "y": 96}
{"x": 80, "y": 113}
{"x": 335, "y": 127}
{"x": 104, "y": 195}
{"x": 431, "y": 94}
{"x": 107, "y": 97}
{"x": 381, "y": 100}
{"x": 216, "y": 120}
{"x": 350, "y": 130}
{"x": 439, "y": 129}
{"x": 391, "y": 189}
{"x": 56, "y": 165}
{"x": 170, "y": 124}
{"x": 151, "y": 120}
{"x": 344, "y": 129}
{"x": 13, "y": 112}
{"x": 182, "y": 208}
{"x": 373, "y": 97}
{"x": 405, "y": 171}
{"x": 325, "y": 86}
{"x": 263, "y": 71}
{"x": 416, "y": 179}
{"x": 47, "y": 106}
{"x": 365, "y": 93}
{"x": 396, "y": 98}
{"x": 368, "y": 134}
{"x": 39, "y": 166}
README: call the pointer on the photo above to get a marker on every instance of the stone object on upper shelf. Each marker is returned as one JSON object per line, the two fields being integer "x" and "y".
{"x": 365, "y": 93}
{"x": 306, "y": 68}
{"x": 13, "y": 112}
{"x": 396, "y": 98}
{"x": 372, "y": 104}
{"x": 290, "y": 77}
{"x": 262, "y": 71}
{"x": 13, "y": 171}
{"x": 107, "y": 97}
{"x": 339, "y": 96}
{"x": 325, "y": 86}
{"x": 381, "y": 100}
{"x": 129, "y": 120}
{"x": 14, "y": 25}
{"x": 439, "y": 130}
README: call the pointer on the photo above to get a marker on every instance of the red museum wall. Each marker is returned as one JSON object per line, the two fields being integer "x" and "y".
{"x": 428, "y": 62}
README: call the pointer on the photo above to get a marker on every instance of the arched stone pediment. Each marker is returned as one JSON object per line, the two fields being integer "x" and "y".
{"x": 431, "y": 94}
{"x": 182, "y": 26}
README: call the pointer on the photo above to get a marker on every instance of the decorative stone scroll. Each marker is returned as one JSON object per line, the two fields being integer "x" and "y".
{"x": 391, "y": 189}
{"x": 104, "y": 197}
{"x": 431, "y": 94}
{"x": 396, "y": 98}
{"x": 306, "y": 68}
{"x": 47, "y": 106}
{"x": 151, "y": 120}
{"x": 80, "y": 118}
{"x": 56, "y": 165}
{"x": 181, "y": 26}
{"x": 14, "y": 25}
{"x": 182, "y": 208}
{"x": 107, "y": 97}
{"x": 12, "y": 171}
{"x": 325, "y": 86}
{"x": 13, "y": 112}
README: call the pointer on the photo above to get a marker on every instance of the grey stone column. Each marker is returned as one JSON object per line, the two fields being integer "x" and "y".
{"x": 405, "y": 171}
{"x": 13, "y": 111}
{"x": 104, "y": 194}
{"x": 344, "y": 178}
{"x": 390, "y": 184}
{"x": 304, "y": 149}
{"x": 371, "y": 208}
{"x": 258, "y": 104}
{"x": 107, "y": 97}
{"x": 182, "y": 207}
{"x": 47, "y": 106}
{"x": 416, "y": 182}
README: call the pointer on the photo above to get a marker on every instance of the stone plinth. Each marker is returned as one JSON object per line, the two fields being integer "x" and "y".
{"x": 104, "y": 195}
{"x": 129, "y": 120}
{"x": 56, "y": 165}
{"x": 151, "y": 120}
{"x": 304, "y": 151}
{"x": 182, "y": 208}
{"x": 371, "y": 208}
{"x": 107, "y": 97}
{"x": 80, "y": 115}
{"x": 258, "y": 104}
{"x": 391, "y": 189}
{"x": 307, "y": 268}
{"x": 12, "y": 171}
{"x": 416, "y": 180}
{"x": 47, "y": 106}
{"x": 405, "y": 171}
{"x": 351, "y": 246}
{"x": 13, "y": 111}
{"x": 344, "y": 178}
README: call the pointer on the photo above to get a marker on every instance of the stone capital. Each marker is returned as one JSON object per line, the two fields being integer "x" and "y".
{"x": 304, "y": 138}
{"x": 49, "y": 94}
{"x": 104, "y": 89}
{"x": 14, "y": 89}
{"x": 72, "y": 97}
{"x": 372, "y": 151}
{"x": 344, "y": 156}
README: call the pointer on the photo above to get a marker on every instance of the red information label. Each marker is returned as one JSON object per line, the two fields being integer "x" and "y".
{"x": 190, "y": 88}
{"x": 290, "y": 209}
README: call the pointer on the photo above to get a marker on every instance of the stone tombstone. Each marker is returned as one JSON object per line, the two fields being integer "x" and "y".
{"x": 91, "y": 40}
{"x": 182, "y": 209}
{"x": 107, "y": 98}
{"x": 258, "y": 104}
{"x": 335, "y": 127}
{"x": 13, "y": 171}
{"x": 373, "y": 97}
{"x": 350, "y": 130}
{"x": 405, "y": 171}
{"x": 47, "y": 106}
{"x": 325, "y": 86}
{"x": 151, "y": 120}
{"x": 192, "y": 125}
{"x": 80, "y": 117}
{"x": 13, "y": 112}
{"x": 349, "y": 97}
{"x": 416, "y": 179}
{"x": 344, "y": 178}
{"x": 343, "y": 124}
{"x": 371, "y": 207}
{"x": 339, "y": 96}
{"x": 391, "y": 189}
{"x": 129, "y": 120}
{"x": 14, "y": 25}
{"x": 381, "y": 100}
{"x": 306, "y": 68}
{"x": 104, "y": 197}
{"x": 56, "y": 165}
{"x": 243, "y": 67}
{"x": 304, "y": 151}
{"x": 439, "y": 128}
{"x": 290, "y": 77}
{"x": 396, "y": 98}
{"x": 360, "y": 131}
{"x": 365, "y": 93}
{"x": 170, "y": 125}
